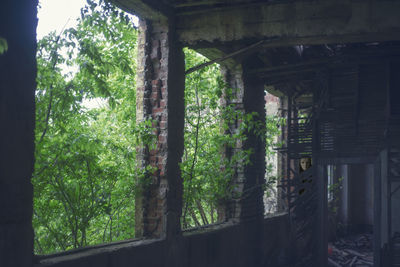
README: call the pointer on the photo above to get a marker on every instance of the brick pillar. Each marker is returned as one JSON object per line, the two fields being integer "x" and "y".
{"x": 160, "y": 97}
{"x": 248, "y": 97}
{"x": 247, "y": 204}
{"x": 17, "y": 119}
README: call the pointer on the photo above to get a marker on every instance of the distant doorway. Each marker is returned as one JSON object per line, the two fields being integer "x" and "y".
{"x": 350, "y": 211}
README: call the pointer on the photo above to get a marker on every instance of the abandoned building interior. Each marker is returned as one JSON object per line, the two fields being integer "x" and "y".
{"x": 334, "y": 65}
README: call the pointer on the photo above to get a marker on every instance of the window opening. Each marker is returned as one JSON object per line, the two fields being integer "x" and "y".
{"x": 203, "y": 177}
{"x": 351, "y": 214}
{"x": 331, "y": 182}
{"x": 274, "y": 123}
{"x": 85, "y": 136}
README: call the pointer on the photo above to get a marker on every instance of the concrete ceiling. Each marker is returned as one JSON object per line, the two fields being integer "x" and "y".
{"x": 280, "y": 22}
{"x": 289, "y": 34}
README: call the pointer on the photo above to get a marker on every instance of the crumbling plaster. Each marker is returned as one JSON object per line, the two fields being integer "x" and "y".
{"x": 284, "y": 23}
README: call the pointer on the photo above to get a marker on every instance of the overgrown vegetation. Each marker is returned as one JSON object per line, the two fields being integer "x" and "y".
{"x": 84, "y": 178}
{"x": 206, "y": 173}
{"x": 85, "y": 171}
{"x": 3, "y": 45}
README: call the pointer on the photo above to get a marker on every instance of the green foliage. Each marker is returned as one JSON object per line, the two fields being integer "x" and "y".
{"x": 201, "y": 162}
{"x": 274, "y": 124}
{"x": 86, "y": 173}
{"x": 85, "y": 169}
{"x": 334, "y": 190}
{"x": 3, "y": 45}
{"x": 207, "y": 174}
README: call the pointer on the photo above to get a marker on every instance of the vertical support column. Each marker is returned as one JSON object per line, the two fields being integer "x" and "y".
{"x": 282, "y": 159}
{"x": 384, "y": 207}
{"x": 342, "y": 171}
{"x": 377, "y": 212}
{"x": 320, "y": 175}
{"x": 160, "y": 98}
{"x": 254, "y": 102}
{"x": 17, "y": 119}
{"x": 289, "y": 185}
{"x": 247, "y": 201}
{"x": 321, "y": 179}
{"x": 248, "y": 97}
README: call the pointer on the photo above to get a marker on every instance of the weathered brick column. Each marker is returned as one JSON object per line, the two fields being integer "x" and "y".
{"x": 17, "y": 119}
{"x": 160, "y": 97}
{"x": 246, "y": 205}
{"x": 248, "y": 97}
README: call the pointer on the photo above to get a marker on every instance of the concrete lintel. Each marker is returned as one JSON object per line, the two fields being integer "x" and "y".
{"x": 146, "y": 9}
{"x": 291, "y": 23}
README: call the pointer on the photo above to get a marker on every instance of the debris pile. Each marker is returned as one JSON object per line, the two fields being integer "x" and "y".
{"x": 351, "y": 251}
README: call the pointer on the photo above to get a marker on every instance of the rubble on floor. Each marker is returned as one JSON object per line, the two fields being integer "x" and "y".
{"x": 351, "y": 251}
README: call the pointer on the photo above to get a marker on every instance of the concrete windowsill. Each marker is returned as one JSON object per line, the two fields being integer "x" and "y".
{"x": 138, "y": 246}
{"x": 46, "y": 260}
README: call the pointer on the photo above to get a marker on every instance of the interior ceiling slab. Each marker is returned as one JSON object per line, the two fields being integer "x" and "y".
{"x": 292, "y": 22}
{"x": 228, "y": 25}
{"x": 280, "y": 22}
{"x": 292, "y": 32}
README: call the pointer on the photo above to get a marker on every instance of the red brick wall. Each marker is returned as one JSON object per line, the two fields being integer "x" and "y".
{"x": 160, "y": 98}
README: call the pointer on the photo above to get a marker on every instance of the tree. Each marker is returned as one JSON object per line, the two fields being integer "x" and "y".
{"x": 201, "y": 161}
{"x": 84, "y": 178}
{"x": 3, "y": 45}
{"x": 86, "y": 174}
{"x": 206, "y": 173}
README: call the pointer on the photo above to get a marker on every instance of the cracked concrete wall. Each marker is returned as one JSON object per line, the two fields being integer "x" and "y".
{"x": 294, "y": 22}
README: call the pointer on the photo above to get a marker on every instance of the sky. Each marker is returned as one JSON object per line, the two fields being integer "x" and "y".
{"x": 55, "y": 14}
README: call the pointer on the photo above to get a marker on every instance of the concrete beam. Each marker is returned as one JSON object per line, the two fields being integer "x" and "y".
{"x": 153, "y": 10}
{"x": 293, "y": 23}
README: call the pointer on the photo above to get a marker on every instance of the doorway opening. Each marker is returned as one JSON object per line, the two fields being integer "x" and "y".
{"x": 350, "y": 214}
